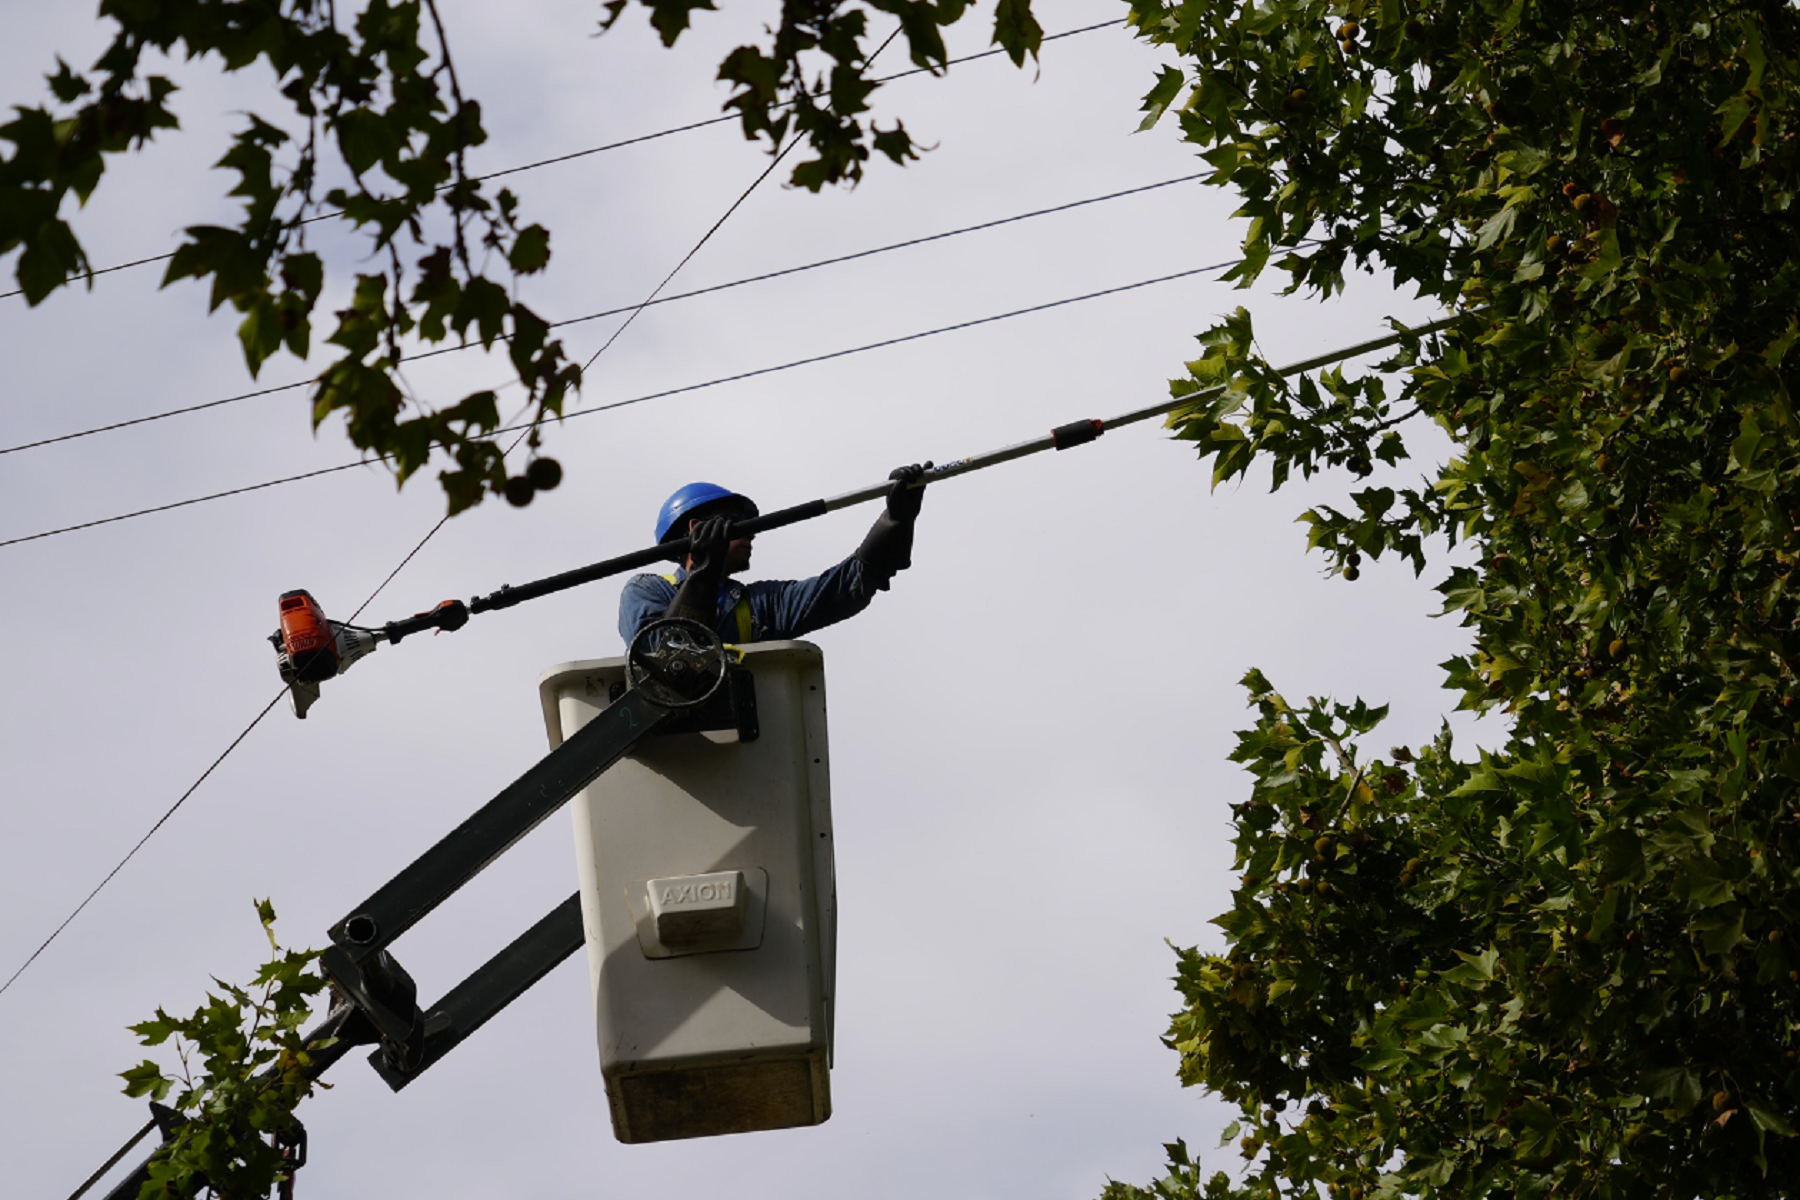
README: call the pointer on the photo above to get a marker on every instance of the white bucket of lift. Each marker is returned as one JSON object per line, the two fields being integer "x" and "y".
{"x": 708, "y": 899}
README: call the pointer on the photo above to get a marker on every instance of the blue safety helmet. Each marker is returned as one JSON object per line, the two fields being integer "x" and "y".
{"x": 688, "y": 500}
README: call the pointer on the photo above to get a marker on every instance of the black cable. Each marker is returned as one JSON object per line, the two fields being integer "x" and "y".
{"x": 382, "y": 586}
{"x": 878, "y": 80}
{"x": 601, "y": 149}
{"x": 379, "y": 588}
{"x": 675, "y": 391}
{"x": 893, "y": 341}
{"x": 704, "y": 238}
{"x": 904, "y": 245}
{"x": 173, "y": 412}
{"x": 145, "y": 512}
{"x": 410, "y": 554}
{"x": 140, "y": 842}
{"x": 613, "y": 312}
{"x": 124, "y": 266}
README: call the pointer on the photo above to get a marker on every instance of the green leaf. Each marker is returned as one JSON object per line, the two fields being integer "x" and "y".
{"x": 1476, "y": 969}
{"x": 1733, "y": 113}
{"x": 530, "y": 250}
{"x": 1721, "y": 930}
{"x": 484, "y": 304}
{"x": 146, "y": 1079}
{"x": 1779, "y": 344}
{"x": 304, "y": 274}
{"x": 1704, "y": 885}
{"x": 1158, "y": 99}
{"x": 1016, "y": 30}
{"x": 1606, "y": 913}
{"x": 260, "y": 333}
{"x": 1496, "y": 228}
{"x": 1482, "y": 778}
{"x": 50, "y": 257}
{"x": 1768, "y": 1119}
{"x": 1678, "y": 1085}
{"x": 1384, "y": 1059}
{"x": 365, "y": 137}
{"x": 66, "y": 85}
{"x": 672, "y": 17}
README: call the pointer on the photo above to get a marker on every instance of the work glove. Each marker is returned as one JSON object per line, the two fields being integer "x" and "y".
{"x": 708, "y": 542}
{"x": 887, "y": 550}
{"x": 697, "y": 598}
{"x": 903, "y": 501}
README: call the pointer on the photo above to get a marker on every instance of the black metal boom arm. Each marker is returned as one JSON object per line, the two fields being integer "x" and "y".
{"x": 674, "y": 667}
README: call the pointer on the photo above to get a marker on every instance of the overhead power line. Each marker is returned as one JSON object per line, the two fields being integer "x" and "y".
{"x": 613, "y": 312}
{"x": 705, "y": 238}
{"x": 720, "y": 120}
{"x": 163, "y": 820}
{"x": 131, "y": 853}
{"x": 649, "y": 396}
{"x": 603, "y": 148}
{"x": 902, "y": 245}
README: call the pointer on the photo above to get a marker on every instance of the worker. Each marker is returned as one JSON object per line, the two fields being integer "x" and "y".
{"x": 702, "y": 588}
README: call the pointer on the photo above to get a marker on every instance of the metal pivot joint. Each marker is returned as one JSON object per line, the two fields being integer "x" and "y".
{"x": 677, "y": 663}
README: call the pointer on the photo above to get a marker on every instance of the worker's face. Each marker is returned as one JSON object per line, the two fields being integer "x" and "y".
{"x": 737, "y": 554}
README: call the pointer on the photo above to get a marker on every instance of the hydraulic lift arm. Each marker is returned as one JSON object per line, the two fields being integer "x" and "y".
{"x": 673, "y": 668}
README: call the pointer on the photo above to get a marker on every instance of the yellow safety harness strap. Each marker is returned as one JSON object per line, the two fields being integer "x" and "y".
{"x": 741, "y": 611}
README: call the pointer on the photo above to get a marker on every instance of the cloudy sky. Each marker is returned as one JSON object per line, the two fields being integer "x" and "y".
{"x": 1028, "y": 733}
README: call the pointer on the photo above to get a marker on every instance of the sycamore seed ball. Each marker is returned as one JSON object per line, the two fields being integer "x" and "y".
{"x": 544, "y": 473}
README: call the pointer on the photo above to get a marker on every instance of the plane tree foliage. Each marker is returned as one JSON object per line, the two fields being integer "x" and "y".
{"x": 1565, "y": 966}
{"x": 368, "y": 123}
{"x": 1561, "y": 967}
{"x": 227, "y": 1109}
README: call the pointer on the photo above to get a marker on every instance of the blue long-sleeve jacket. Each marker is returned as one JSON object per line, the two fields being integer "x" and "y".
{"x": 779, "y": 608}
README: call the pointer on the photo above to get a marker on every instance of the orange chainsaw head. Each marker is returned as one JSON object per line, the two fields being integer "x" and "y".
{"x": 307, "y": 637}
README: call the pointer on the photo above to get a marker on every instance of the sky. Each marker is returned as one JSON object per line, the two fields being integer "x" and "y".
{"x": 1028, "y": 733}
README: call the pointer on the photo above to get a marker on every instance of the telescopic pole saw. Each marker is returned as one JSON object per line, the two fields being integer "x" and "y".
{"x": 311, "y": 649}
